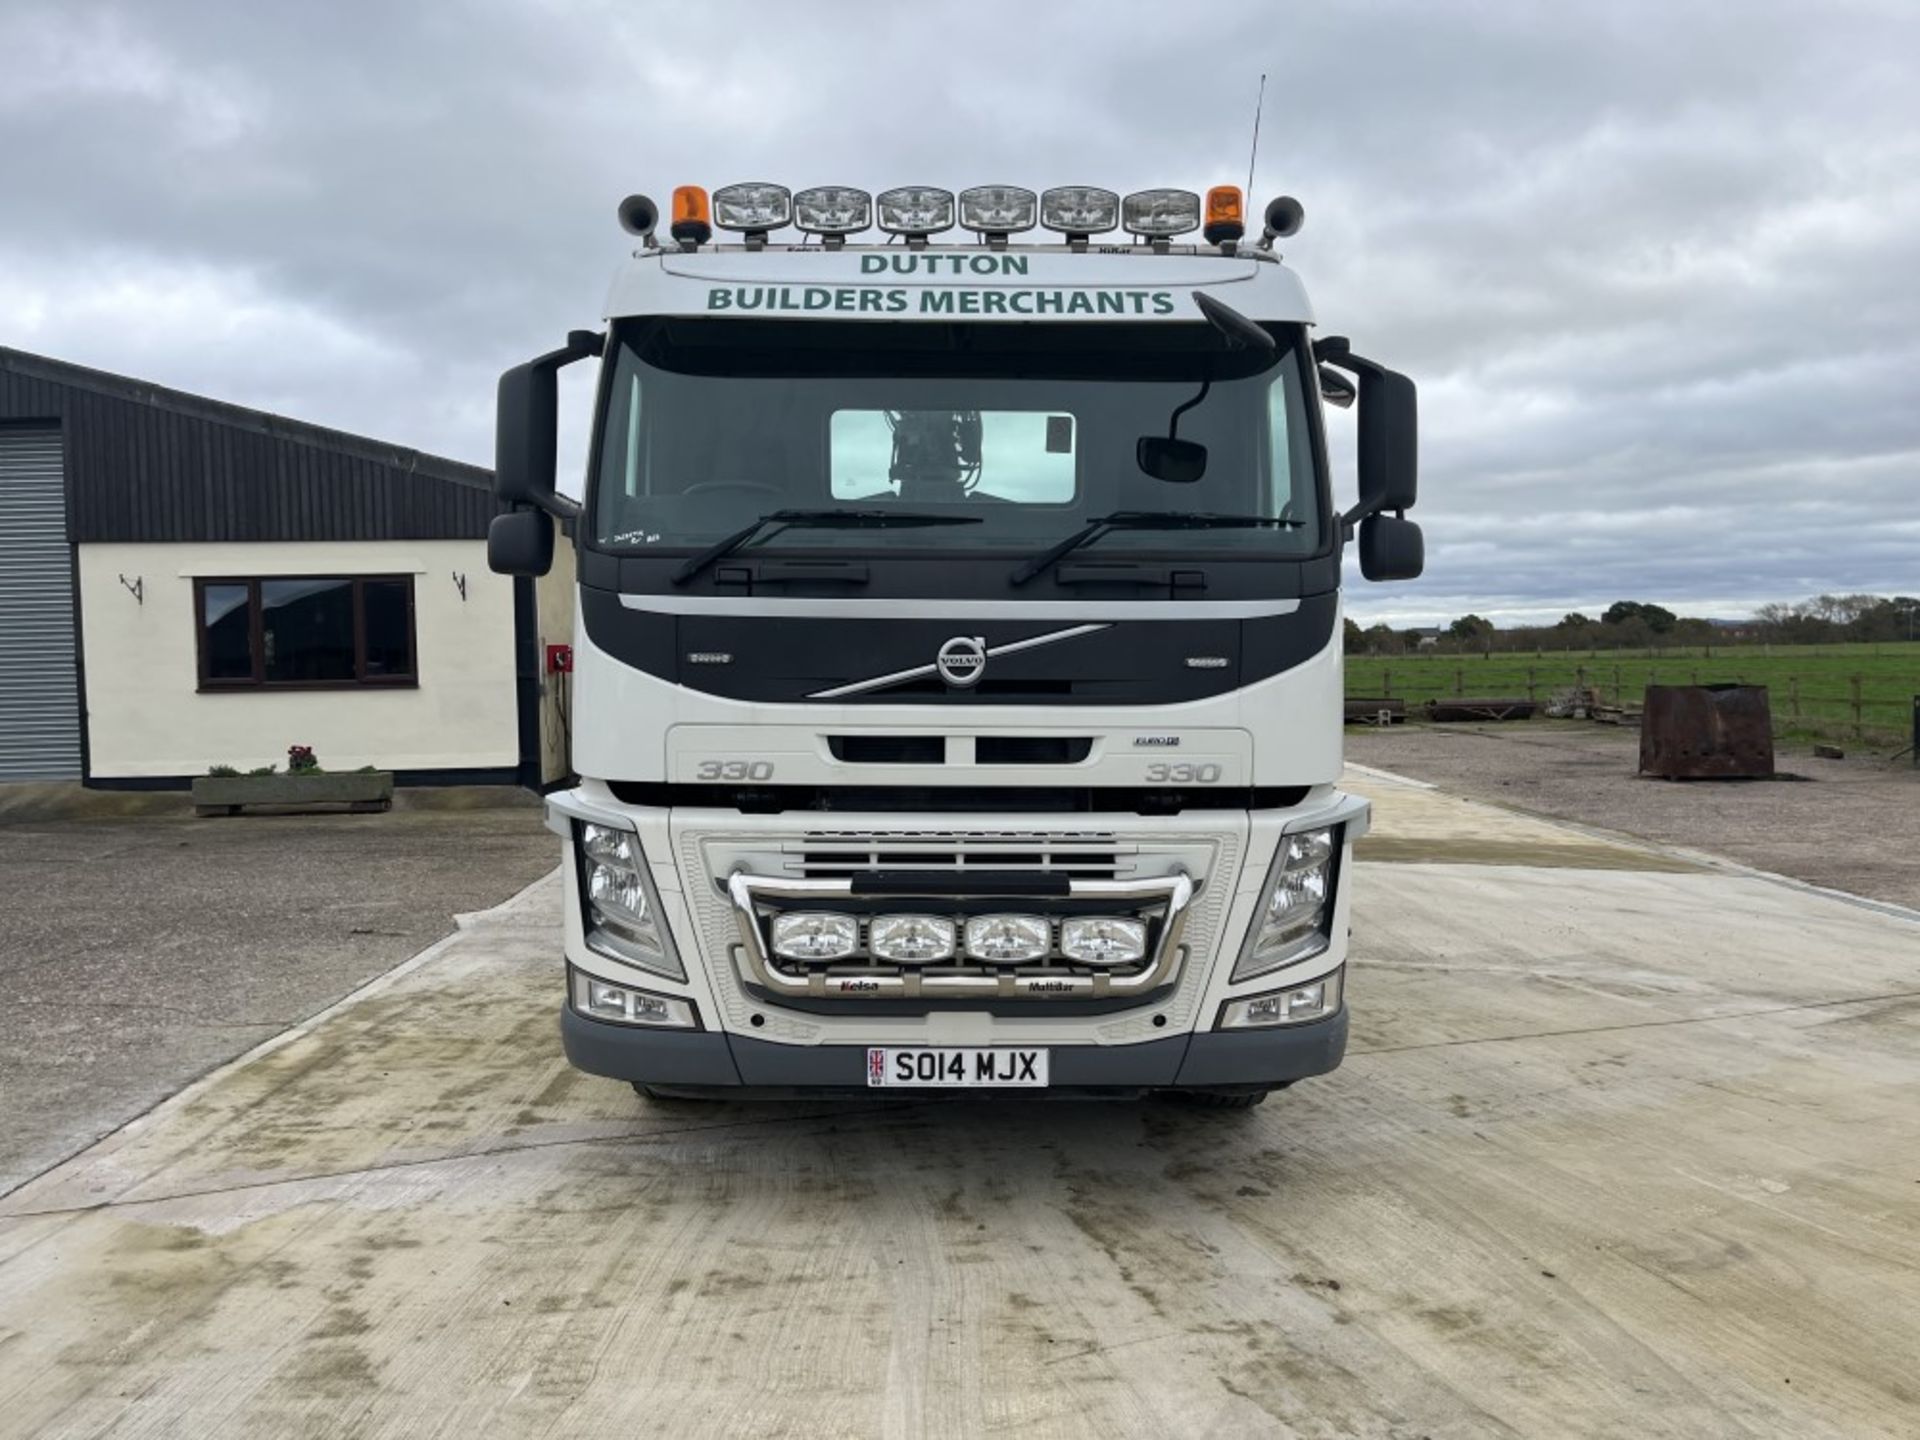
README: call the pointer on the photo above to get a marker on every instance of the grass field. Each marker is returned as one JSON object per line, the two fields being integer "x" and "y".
{"x": 1858, "y": 692}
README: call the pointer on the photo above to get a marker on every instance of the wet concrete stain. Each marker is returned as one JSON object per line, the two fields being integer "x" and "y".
{"x": 1544, "y": 854}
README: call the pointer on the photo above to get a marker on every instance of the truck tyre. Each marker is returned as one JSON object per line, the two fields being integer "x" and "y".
{"x": 1225, "y": 1099}
{"x": 666, "y": 1095}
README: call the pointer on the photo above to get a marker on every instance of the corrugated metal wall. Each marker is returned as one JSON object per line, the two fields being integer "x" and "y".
{"x": 39, "y": 689}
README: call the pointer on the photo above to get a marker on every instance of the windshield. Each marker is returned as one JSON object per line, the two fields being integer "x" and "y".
{"x": 1032, "y": 429}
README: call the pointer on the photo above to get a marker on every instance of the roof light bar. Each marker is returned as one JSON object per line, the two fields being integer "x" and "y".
{"x": 1161, "y": 214}
{"x": 915, "y": 211}
{"x": 833, "y": 211}
{"x": 753, "y": 207}
{"x": 1079, "y": 211}
{"x": 997, "y": 211}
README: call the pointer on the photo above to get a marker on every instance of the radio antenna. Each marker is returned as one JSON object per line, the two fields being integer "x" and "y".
{"x": 1258, "y": 103}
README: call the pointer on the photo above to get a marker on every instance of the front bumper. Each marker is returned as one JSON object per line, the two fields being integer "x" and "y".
{"x": 713, "y": 1059}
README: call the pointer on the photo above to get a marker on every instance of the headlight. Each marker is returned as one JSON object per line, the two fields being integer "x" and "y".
{"x": 1295, "y": 913}
{"x": 806, "y": 935}
{"x": 620, "y": 909}
{"x": 1103, "y": 940}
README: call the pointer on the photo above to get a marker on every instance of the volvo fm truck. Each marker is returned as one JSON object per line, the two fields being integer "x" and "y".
{"x": 956, "y": 690}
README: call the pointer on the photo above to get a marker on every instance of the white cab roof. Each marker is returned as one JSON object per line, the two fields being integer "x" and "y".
{"x": 953, "y": 282}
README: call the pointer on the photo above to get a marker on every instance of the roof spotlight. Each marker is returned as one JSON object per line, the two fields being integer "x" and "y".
{"x": 754, "y": 208}
{"x": 915, "y": 211}
{"x": 1079, "y": 211}
{"x": 997, "y": 211}
{"x": 1159, "y": 215}
{"x": 833, "y": 212}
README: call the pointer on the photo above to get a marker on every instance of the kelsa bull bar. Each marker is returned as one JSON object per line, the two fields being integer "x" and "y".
{"x": 1171, "y": 895}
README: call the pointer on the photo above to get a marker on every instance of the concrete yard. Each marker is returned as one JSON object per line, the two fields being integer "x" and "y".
{"x": 139, "y": 950}
{"x": 1627, "y": 1145}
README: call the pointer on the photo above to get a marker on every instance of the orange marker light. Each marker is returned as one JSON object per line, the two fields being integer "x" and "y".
{"x": 692, "y": 224}
{"x": 1226, "y": 214}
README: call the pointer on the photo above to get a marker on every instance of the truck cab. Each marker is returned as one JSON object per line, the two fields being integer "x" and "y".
{"x": 957, "y": 690}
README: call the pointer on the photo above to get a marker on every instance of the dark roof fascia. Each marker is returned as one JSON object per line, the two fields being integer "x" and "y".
{"x": 222, "y": 412}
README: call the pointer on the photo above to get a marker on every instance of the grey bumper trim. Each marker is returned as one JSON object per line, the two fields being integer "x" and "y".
{"x": 711, "y": 1059}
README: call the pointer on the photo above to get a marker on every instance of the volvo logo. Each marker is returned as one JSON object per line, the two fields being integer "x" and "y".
{"x": 962, "y": 660}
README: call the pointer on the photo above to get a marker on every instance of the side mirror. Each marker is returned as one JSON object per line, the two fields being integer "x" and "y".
{"x": 1389, "y": 441}
{"x": 1390, "y": 548}
{"x": 520, "y": 543}
{"x": 526, "y": 420}
{"x": 1179, "y": 462}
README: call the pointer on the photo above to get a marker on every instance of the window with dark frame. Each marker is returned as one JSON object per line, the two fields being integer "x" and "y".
{"x": 305, "y": 631}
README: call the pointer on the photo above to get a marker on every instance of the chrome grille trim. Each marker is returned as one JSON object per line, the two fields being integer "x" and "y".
{"x": 749, "y": 894}
{"x": 1095, "y": 854}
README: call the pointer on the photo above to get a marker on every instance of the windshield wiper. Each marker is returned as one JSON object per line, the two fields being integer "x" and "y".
{"x": 812, "y": 520}
{"x": 1144, "y": 520}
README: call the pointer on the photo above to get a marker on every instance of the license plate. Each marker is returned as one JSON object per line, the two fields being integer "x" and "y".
{"x": 957, "y": 1069}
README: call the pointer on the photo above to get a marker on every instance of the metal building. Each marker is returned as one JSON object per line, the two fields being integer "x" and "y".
{"x": 185, "y": 582}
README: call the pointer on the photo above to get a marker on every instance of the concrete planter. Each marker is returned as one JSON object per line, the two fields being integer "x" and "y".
{"x": 226, "y": 794}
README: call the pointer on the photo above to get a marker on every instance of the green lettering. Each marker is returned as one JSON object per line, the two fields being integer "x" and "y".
{"x": 936, "y": 302}
{"x": 872, "y": 299}
{"x": 993, "y": 302}
{"x": 1014, "y": 297}
{"x": 869, "y": 264}
{"x": 1049, "y": 302}
{"x": 719, "y": 299}
{"x": 1112, "y": 302}
{"x": 969, "y": 302}
{"x": 896, "y": 300}
{"x": 1014, "y": 264}
{"x": 1162, "y": 303}
{"x": 845, "y": 299}
{"x": 1080, "y": 303}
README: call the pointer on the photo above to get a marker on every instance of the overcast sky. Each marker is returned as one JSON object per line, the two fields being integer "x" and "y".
{"x": 1653, "y": 266}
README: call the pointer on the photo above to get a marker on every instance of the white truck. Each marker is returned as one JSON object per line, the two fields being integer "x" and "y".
{"x": 957, "y": 669}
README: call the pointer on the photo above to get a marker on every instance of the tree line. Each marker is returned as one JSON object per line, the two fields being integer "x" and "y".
{"x": 1641, "y": 625}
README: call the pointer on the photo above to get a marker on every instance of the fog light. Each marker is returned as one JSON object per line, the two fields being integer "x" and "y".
{"x": 1103, "y": 940}
{"x": 1008, "y": 939}
{"x": 805, "y": 936}
{"x": 1313, "y": 1001}
{"x": 910, "y": 939}
{"x": 604, "y": 1000}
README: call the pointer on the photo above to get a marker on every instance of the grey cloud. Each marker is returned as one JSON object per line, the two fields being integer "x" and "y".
{"x": 1650, "y": 263}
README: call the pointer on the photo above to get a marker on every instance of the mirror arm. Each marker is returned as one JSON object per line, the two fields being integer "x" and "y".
{"x": 1173, "y": 420}
{"x": 580, "y": 345}
{"x": 1333, "y": 351}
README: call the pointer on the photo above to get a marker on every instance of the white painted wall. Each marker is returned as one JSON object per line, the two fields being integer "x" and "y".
{"x": 145, "y": 716}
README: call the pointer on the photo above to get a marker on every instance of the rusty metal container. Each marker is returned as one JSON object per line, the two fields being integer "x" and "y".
{"x": 1707, "y": 732}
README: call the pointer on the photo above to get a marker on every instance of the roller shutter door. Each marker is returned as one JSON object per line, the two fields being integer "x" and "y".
{"x": 39, "y": 689}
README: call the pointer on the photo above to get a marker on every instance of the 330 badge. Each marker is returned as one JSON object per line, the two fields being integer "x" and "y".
{"x": 756, "y": 770}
